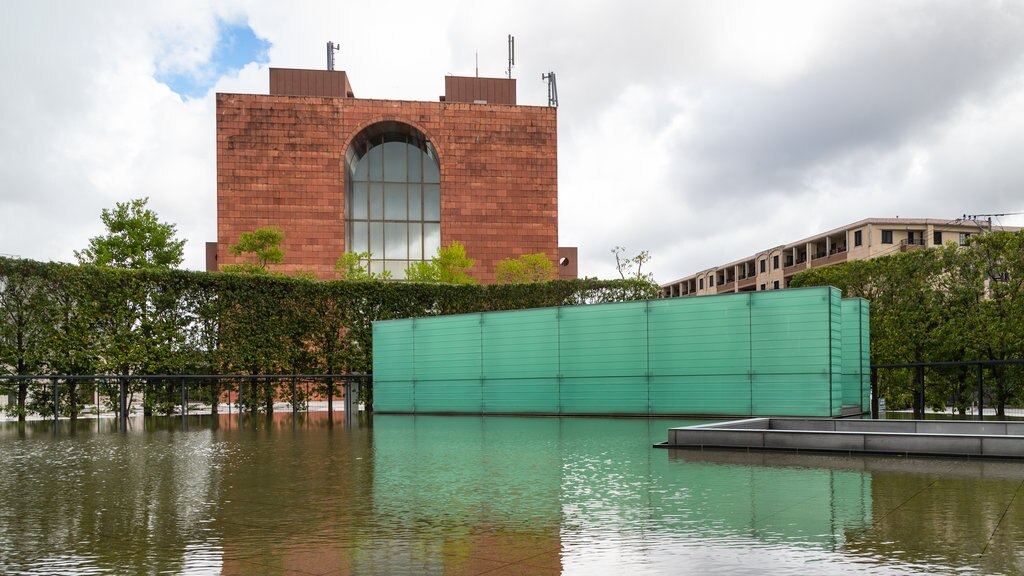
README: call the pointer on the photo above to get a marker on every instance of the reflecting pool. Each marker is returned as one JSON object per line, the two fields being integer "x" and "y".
{"x": 481, "y": 495}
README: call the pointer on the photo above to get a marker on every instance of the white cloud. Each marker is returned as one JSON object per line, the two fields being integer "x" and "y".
{"x": 700, "y": 130}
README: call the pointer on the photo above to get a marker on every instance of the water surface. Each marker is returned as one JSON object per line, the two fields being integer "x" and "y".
{"x": 481, "y": 495}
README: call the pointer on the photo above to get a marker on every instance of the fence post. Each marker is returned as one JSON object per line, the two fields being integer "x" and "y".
{"x": 330, "y": 396}
{"x": 295, "y": 400}
{"x": 874, "y": 393}
{"x": 920, "y": 384}
{"x": 123, "y": 402}
{"x": 184, "y": 399}
{"x": 56, "y": 401}
{"x": 981, "y": 394}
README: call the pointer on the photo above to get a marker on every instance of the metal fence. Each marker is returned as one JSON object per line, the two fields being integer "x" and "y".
{"x": 977, "y": 389}
{"x": 81, "y": 395}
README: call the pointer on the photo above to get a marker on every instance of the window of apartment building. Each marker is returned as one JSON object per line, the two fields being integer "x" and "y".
{"x": 937, "y": 237}
{"x": 775, "y": 285}
{"x": 764, "y": 263}
{"x": 711, "y": 281}
{"x": 392, "y": 197}
{"x": 775, "y": 262}
{"x": 763, "y": 287}
{"x": 857, "y": 239}
{"x": 886, "y": 236}
{"x": 700, "y": 283}
{"x": 963, "y": 238}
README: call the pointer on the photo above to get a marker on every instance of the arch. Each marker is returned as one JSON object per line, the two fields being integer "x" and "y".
{"x": 392, "y": 196}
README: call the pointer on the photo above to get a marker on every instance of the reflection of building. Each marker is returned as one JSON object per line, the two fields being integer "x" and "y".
{"x": 773, "y": 268}
{"x": 394, "y": 178}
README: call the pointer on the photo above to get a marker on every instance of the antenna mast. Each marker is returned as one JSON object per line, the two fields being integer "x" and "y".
{"x": 331, "y": 49}
{"x": 511, "y": 55}
{"x": 552, "y": 89}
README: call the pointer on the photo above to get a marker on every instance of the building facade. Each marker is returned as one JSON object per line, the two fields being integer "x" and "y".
{"x": 774, "y": 268}
{"x": 394, "y": 178}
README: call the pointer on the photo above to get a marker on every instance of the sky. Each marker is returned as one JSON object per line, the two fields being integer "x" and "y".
{"x": 701, "y": 131}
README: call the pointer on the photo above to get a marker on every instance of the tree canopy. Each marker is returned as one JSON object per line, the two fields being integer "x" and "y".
{"x": 263, "y": 243}
{"x": 451, "y": 265}
{"x": 135, "y": 238}
{"x": 527, "y": 268}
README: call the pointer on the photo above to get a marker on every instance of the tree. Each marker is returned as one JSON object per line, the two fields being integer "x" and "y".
{"x": 264, "y": 243}
{"x": 450, "y": 266}
{"x": 625, "y": 265}
{"x": 351, "y": 267}
{"x": 135, "y": 238}
{"x": 525, "y": 269}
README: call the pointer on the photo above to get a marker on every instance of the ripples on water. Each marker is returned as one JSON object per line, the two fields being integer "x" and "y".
{"x": 432, "y": 495}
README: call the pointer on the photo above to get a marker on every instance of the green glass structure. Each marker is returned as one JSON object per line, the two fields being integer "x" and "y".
{"x": 777, "y": 353}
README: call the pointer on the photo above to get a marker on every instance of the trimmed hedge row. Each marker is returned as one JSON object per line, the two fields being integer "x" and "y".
{"x": 65, "y": 319}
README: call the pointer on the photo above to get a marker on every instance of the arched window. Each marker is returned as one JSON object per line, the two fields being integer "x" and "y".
{"x": 392, "y": 197}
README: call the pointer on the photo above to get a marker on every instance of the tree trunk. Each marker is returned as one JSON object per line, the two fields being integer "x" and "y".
{"x": 268, "y": 389}
{"x": 214, "y": 399}
{"x": 22, "y": 397}
{"x": 72, "y": 388}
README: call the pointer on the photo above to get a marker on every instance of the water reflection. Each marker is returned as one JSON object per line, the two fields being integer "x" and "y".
{"x": 435, "y": 494}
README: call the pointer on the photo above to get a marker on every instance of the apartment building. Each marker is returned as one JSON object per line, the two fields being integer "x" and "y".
{"x": 774, "y": 268}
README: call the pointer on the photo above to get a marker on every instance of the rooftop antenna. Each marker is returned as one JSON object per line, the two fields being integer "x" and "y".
{"x": 552, "y": 89}
{"x": 511, "y": 54}
{"x": 331, "y": 49}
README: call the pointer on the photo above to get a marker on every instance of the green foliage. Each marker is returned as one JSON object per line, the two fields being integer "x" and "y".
{"x": 135, "y": 238}
{"x": 95, "y": 320}
{"x": 526, "y": 268}
{"x": 450, "y": 266}
{"x": 941, "y": 304}
{"x": 264, "y": 243}
{"x": 354, "y": 266}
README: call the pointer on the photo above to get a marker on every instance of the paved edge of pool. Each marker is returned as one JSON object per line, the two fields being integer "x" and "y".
{"x": 968, "y": 439}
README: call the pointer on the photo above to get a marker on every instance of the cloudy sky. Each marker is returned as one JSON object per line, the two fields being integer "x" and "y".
{"x": 699, "y": 130}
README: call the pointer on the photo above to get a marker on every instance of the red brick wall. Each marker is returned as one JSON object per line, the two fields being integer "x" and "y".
{"x": 280, "y": 161}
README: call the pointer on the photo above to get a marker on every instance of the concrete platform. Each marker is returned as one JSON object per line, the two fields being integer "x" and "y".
{"x": 908, "y": 437}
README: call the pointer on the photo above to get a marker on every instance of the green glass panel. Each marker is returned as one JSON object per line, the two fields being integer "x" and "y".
{"x": 725, "y": 395}
{"x": 791, "y": 395}
{"x": 615, "y": 395}
{"x": 447, "y": 347}
{"x": 520, "y": 344}
{"x": 523, "y": 395}
{"x": 699, "y": 336}
{"x": 460, "y": 396}
{"x": 603, "y": 340}
{"x": 392, "y": 396}
{"x": 393, "y": 351}
{"x": 790, "y": 331}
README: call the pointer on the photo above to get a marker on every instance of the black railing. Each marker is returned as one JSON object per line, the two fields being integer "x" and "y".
{"x": 965, "y": 391}
{"x": 163, "y": 386}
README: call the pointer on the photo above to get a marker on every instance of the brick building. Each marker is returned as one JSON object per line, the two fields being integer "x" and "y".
{"x": 395, "y": 178}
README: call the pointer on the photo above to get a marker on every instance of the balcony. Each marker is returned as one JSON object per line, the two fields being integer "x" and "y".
{"x": 911, "y": 244}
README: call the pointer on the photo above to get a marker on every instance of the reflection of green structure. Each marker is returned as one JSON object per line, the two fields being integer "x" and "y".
{"x": 568, "y": 484}
{"x": 762, "y": 353}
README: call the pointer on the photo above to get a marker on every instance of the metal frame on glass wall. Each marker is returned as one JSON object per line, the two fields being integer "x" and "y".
{"x": 393, "y": 197}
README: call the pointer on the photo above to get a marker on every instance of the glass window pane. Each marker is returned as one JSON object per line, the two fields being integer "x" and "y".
{"x": 375, "y": 170}
{"x": 360, "y": 171}
{"x": 357, "y": 203}
{"x": 396, "y": 241}
{"x": 357, "y": 237}
{"x": 376, "y": 202}
{"x": 415, "y": 241}
{"x": 395, "y": 202}
{"x": 431, "y": 171}
{"x": 377, "y": 239}
{"x": 431, "y": 240}
{"x": 415, "y": 158}
{"x": 394, "y": 161}
{"x": 397, "y": 268}
{"x": 376, "y": 266}
{"x": 415, "y": 202}
{"x": 432, "y": 202}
